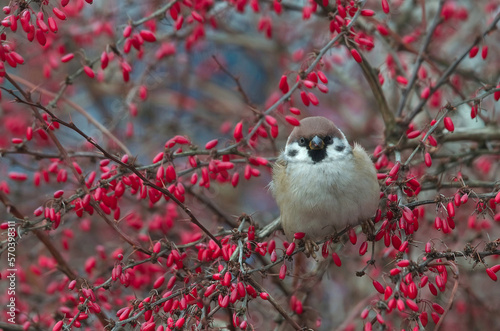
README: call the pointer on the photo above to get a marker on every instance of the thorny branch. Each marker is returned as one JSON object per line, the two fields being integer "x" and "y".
{"x": 130, "y": 167}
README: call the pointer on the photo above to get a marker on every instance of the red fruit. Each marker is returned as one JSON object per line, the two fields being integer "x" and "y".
{"x": 428, "y": 159}
{"x": 211, "y": 144}
{"x": 148, "y": 36}
{"x": 322, "y": 77}
{"x": 18, "y": 58}
{"x": 484, "y": 52}
{"x": 425, "y": 93}
{"x": 495, "y": 268}
{"x": 341, "y": 11}
{"x": 423, "y": 318}
{"x": 312, "y": 97}
{"x": 309, "y": 84}
{"x": 271, "y": 120}
{"x": 387, "y": 292}
{"x": 432, "y": 141}
{"x": 67, "y": 57}
{"x": 277, "y": 7}
{"x": 18, "y": 176}
{"x": 197, "y": 16}
{"x": 299, "y": 309}
{"x": 159, "y": 282}
{"x": 422, "y": 73}
{"x": 294, "y": 110}
{"x": 423, "y": 281}
{"x": 290, "y": 249}
{"x": 400, "y": 305}
{"x": 448, "y": 124}
{"x": 385, "y": 6}
{"x": 157, "y": 247}
{"x": 355, "y": 54}
{"x": 264, "y": 295}
{"x": 396, "y": 241}
{"x": 59, "y": 14}
{"x": 127, "y": 31}
{"x": 403, "y": 246}
{"x": 235, "y": 179}
{"x": 395, "y": 271}
{"x": 496, "y": 95}
{"x": 451, "y": 209}
{"x": 403, "y": 263}
{"x": 491, "y": 274}
{"x": 394, "y": 170}
{"x": 383, "y": 30}
{"x": 52, "y": 24}
{"x": 299, "y": 235}
{"x": 58, "y": 326}
{"x": 352, "y": 236}
{"x": 363, "y": 248}
{"x": 282, "y": 273}
{"x": 378, "y": 287}
{"x": 238, "y": 131}
{"x": 402, "y": 80}
{"x": 435, "y": 317}
{"x": 284, "y": 84}
{"x": 473, "y": 112}
{"x": 304, "y": 98}
{"x": 437, "y": 308}
{"x": 412, "y": 304}
{"x": 170, "y": 173}
{"x": 104, "y": 60}
{"x": 438, "y": 223}
{"x": 432, "y": 288}
{"x": 88, "y": 71}
{"x": 336, "y": 259}
{"x": 473, "y": 52}
{"x": 439, "y": 281}
{"x": 180, "y": 322}
{"x": 292, "y": 120}
{"x": 367, "y": 12}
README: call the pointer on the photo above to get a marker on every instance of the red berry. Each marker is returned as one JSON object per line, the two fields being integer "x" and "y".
{"x": 448, "y": 124}
{"x": 292, "y": 120}
{"x": 355, "y": 54}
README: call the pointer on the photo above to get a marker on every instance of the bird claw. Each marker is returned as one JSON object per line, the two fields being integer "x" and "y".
{"x": 310, "y": 248}
{"x": 368, "y": 228}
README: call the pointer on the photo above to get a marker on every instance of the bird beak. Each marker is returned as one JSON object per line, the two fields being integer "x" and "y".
{"x": 316, "y": 143}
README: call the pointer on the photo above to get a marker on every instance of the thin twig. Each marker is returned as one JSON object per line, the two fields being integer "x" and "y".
{"x": 130, "y": 167}
{"x": 451, "y": 69}
{"x": 420, "y": 58}
{"x": 275, "y": 304}
{"x": 236, "y": 80}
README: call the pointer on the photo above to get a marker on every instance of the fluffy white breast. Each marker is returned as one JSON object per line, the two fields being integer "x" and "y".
{"x": 318, "y": 198}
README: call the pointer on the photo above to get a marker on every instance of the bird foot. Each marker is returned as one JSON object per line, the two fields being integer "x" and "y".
{"x": 368, "y": 228}
{"x": 310, "y": 248}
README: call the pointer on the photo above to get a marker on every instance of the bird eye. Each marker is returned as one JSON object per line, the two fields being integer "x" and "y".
{"x": 328, "y": 140}
{"x": 302, "y": 141}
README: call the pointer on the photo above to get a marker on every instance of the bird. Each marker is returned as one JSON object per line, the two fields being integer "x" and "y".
{"x": 321, "y": 183}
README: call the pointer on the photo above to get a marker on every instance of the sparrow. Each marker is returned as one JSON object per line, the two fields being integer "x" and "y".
{"x": 321, "y": 183}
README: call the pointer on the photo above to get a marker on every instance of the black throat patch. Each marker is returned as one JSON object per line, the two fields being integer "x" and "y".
{"x": 317, "y": 155}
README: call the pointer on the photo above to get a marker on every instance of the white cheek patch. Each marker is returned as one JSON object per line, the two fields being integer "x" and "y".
{"x": 340, "y": 149}
{"x": 295, "y": 153}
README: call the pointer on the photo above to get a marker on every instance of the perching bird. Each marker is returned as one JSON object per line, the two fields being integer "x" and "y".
{"x": 321, "y": 184}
